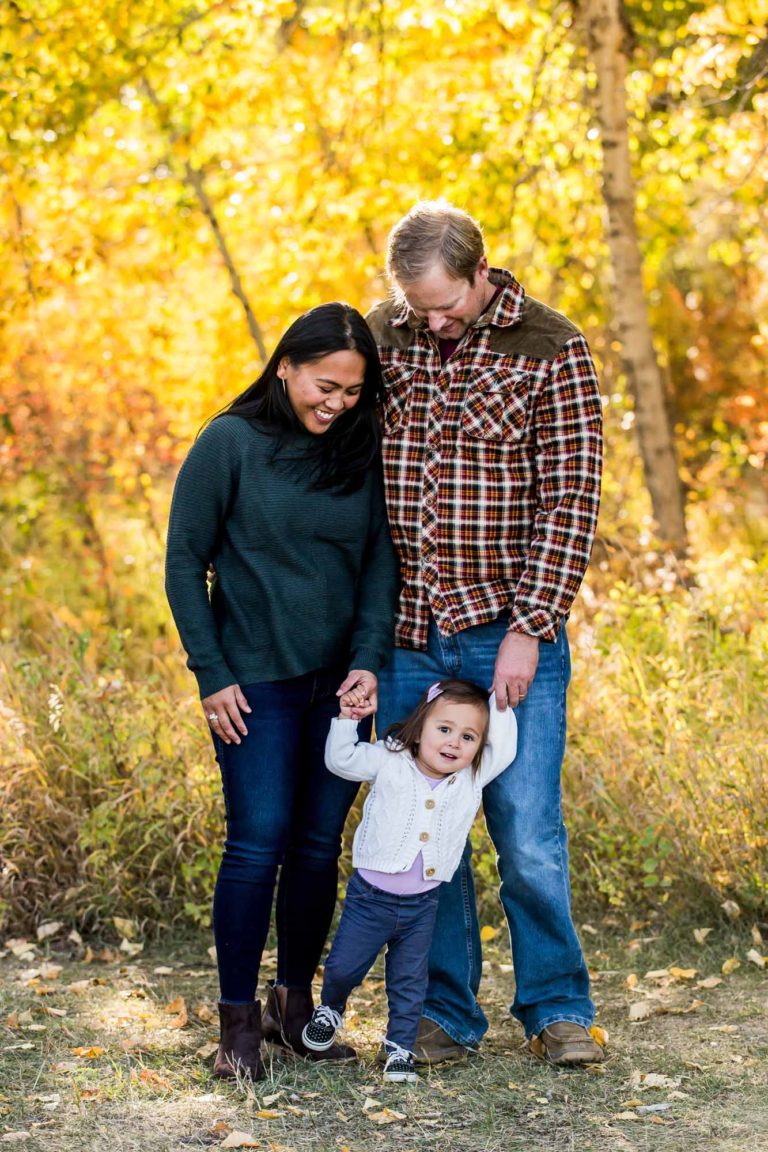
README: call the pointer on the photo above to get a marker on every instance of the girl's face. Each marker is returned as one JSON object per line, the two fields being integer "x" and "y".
{"x": 450, "y": 738}
{"x": 323, "y": 389}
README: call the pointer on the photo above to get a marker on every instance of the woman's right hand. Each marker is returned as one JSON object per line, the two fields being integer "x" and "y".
{"x": 223, "y": 711}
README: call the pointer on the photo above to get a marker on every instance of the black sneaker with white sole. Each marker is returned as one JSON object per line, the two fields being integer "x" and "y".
{"x": 320, "y": 1031}
{"x": 399, "y": 1068}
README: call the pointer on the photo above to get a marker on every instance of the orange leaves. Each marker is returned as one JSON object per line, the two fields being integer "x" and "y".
{"x": 177, "y": 1010}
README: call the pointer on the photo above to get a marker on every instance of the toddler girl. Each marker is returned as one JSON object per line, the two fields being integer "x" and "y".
{"x": 428, "y": 776}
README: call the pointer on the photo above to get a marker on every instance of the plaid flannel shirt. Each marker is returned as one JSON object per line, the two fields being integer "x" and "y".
{"x": 491, "y": 465}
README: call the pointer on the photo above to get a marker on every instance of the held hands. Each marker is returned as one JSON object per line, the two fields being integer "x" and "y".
{"x": 516, "y": 664}
{"x": 358, "y": 695}
{"x": 223, "y": 711}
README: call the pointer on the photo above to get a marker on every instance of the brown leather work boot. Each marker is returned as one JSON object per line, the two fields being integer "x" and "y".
{"x": 433, "y": 1046}
{"x": 567, "y": 1044}
{"x": 286, "y": 1012}
{"x": 240, "y": 1043}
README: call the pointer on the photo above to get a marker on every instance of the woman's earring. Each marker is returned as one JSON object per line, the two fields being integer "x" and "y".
{"x": 285, "y": 388}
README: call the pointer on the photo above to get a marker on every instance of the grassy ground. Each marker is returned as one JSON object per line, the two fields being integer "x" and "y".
{"x": 99, "y": 1052}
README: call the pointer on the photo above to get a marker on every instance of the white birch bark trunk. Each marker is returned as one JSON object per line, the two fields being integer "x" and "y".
{"x": 608, "y": 56}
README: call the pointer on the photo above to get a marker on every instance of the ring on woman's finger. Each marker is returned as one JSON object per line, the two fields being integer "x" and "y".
{"x": 213, "y": 717}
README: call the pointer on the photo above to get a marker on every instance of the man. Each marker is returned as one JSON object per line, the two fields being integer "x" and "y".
{"x": 492, "y": 439}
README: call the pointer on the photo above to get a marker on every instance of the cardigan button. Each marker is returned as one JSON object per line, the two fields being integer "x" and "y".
{"x": 423, "y": 836}
{"x": 429, "y": 871}
{"x": 429, "y": 803}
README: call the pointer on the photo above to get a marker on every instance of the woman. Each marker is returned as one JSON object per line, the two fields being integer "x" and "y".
{"x": 281, "y": 496}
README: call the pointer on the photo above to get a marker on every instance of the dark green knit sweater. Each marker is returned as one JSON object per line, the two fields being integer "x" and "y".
{"x": 305, "y": 579}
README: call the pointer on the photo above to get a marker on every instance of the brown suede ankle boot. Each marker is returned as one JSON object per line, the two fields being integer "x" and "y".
{"x": 286, "y": 1012}
{"x": 240, "y": 1043}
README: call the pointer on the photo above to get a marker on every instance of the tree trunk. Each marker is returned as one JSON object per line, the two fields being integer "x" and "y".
{"x": 607, "y": 48}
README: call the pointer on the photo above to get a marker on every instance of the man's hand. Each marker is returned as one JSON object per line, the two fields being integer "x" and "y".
{"x": 223, "y": 712}
{"x": 359, "y": 694}
{"x": 516, "y": 664}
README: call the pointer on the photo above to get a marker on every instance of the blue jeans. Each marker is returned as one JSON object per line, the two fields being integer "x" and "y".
{"x": 372, "y": 918}
{"x": 524, "y": 817}
{"x": 284, "y": 809}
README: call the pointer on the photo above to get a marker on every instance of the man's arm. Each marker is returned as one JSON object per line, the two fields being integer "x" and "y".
{"x": 568, "y": 423}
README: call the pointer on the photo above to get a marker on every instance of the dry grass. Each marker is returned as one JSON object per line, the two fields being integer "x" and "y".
{"x": 150, "y": 1090}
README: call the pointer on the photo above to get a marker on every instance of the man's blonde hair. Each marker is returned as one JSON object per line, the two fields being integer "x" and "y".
{"x": 434, "y": 231}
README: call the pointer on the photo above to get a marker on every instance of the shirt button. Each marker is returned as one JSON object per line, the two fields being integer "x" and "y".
{"x": 423, "y": 836}
{"x": 429, "y": 803}
{"x": 429, "y": 871}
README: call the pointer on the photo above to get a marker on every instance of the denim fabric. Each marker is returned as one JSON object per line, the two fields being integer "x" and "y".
{"x": 524, "y": 817}
{"x": 284, "y": 809}
{"x": 372, "y": 918}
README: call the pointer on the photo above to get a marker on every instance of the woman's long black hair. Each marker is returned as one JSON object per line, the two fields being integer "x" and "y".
{"x": 340, "y": 457}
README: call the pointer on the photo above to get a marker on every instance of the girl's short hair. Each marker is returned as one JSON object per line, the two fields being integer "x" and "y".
{"x": 405, "y": 735}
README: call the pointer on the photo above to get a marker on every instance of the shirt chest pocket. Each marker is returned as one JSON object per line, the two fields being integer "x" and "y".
{"x": 497, "y": 410}
{"x": 397, "y": 395}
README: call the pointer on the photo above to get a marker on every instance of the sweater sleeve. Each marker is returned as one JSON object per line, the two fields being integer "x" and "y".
{"x": 373, "y": 634}
{"x": 501, "y": 746}
{"x": 204, "y": 488}
{"x": 351, "y": 760}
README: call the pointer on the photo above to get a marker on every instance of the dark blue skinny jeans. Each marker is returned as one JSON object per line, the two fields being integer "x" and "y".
{"x": 372, "y": 918}
{"x": 284, "y": 810}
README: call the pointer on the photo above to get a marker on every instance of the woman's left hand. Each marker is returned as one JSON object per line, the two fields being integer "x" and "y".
{"x": 359, "y": 693}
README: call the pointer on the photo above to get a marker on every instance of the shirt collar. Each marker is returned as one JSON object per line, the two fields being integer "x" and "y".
{"x": 505, "y": 310}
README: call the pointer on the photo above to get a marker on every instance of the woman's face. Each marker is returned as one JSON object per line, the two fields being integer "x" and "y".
{"x": 322, "y": 390}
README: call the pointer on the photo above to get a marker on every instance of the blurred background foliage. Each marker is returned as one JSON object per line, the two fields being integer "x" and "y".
{"x": 165, "y": 162}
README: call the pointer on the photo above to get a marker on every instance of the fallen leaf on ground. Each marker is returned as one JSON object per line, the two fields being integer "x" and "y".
{"x": 730, "y": 965}
{"x": 12, "y": 1021}
{"x": 50, "y": 928}
{"x": 657, "y": 974}
{"x": 178, "y": 1009}
{"x": 129, "y": 948}
{"x": 271, "y": 1099}
{"x": 731, "y": 909}
{"x": 757, "y": 937}
{"x": 599, "y": 1035}
{"x": 127, "y": 928}
{"x": 205, "y": 1051}
{"x": 267, "y": 1114}
{"x": 488, "y": 933}
{"x": 386, "y": 1116}
{"x": 89, "y": 1094}
{"x": 589, "y": 929}
{"x": 88, "y": 1053}
{"x": 370, "y": 1103}
{"x": 152, "y": 1078}
{"x": 626, "y": 1116}
{"x": 756, "y": 957}
{"x": 709, "y": 982}
{"x": 728, "y": 1028}
{"x": 683, "y": 973}
{"x": 212, "y": 953}
{"x": 632, "y": 980}
{"x": 652, "y": 1080}
{"x": 641, "y": 1010}
{"x": 20, "y": 947}
{"x": 163, "y": 970}
{"x": 204, "y": 1013}
{"x": 700, "y": 934}
{"x": 75, "y": 937}
{"x": 15, "y": 1137}
{"x": 240, "y": 1140}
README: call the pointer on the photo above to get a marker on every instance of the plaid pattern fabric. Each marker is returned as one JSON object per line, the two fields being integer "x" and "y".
{"x": 492, "y": 466}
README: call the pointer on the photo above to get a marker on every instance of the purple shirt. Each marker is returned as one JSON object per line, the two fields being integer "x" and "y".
{"x": 407, "y": 883}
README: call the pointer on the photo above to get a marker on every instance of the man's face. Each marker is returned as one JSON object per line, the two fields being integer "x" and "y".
{"x": 448, "y": 305}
